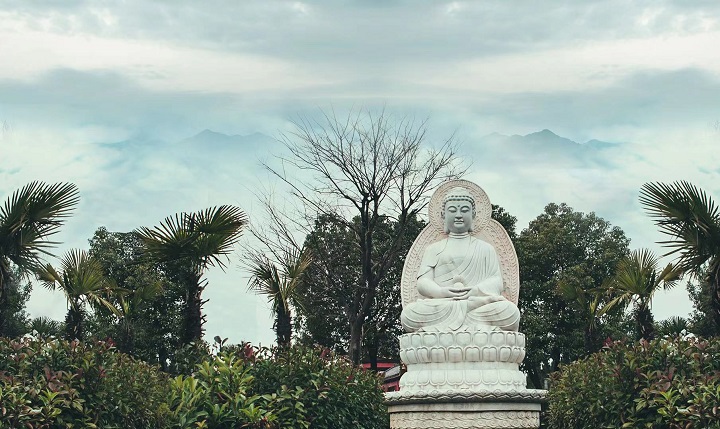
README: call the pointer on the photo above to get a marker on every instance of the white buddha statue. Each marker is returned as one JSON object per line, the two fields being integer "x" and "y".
{"x": 459, "y": 282}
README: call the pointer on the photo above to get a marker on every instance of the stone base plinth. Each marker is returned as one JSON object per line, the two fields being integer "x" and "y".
{"x": 465, "y": 409}
{"x": 462, "y": 360}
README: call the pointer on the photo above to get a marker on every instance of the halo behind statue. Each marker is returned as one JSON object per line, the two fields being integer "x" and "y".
{"x": 484, "y": 228}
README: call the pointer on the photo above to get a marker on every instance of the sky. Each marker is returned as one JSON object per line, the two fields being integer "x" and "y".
{"x": 116, "y": 97}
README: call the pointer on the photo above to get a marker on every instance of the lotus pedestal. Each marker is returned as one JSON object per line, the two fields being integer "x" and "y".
{"x": 463, "y": 380}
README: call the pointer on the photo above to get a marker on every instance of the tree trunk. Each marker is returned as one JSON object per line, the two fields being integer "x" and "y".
{"x": 714, "y": 280}
{"x": 355, "y": 344}
{"x": 127, "y": 341}
{"x": 163, "y": 358}
{"x": 534, "y": 377}
{"x": 74, "y": 323}
{"x": 283, "y": 328}
{"x": 193, "y": 323}
{"x": 372, "y": 345}
{"x": 590, "y": 340}
{"x": 645, "y": 322}
{"x": 4, "y": 280}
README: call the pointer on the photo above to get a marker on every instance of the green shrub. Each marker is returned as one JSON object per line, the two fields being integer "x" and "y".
{"x": 333, "y": 392}
{"x": 249, "y": 387}
{"x": 49, "y": 384}
{"x": 188, "y": 356}
{"x": 61, "y": 384}
{"x": 218, "y": 395}
{"x": 667, "y": 383}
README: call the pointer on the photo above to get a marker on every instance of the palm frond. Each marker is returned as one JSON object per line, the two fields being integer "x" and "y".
{"x": 670, "y": 276}
{"x": 278, "y": 281}
{"x": 100, "y": 302}
{"x": 673, "y": 326}
{"x": 30, "y": 216}
{"x": 81, "y": 278}
{"x": 265, "y": 279}
{"x": 689, "y": 217}
{"x": 637, "y": 279}
{"x": 295, "y": 267}
{"x": 623, "y": 299}
{"x": 45, "y": 326}
{"x": 569, "y": 291}
{"x": 166, "y": 242}
{"x": 204, "y": 237}
{"x": 48, "y": 276}
{"x": 149, "y": 291}
{"x": 635, "y": 273}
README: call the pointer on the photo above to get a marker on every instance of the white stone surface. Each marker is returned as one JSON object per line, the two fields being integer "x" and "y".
{"x": 460, "y": 288}
{"x": 482, "y": 360}
{"x": 462, "y": 409}
{"x": 484, "y": 228}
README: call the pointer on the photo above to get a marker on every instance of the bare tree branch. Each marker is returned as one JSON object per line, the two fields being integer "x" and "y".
{"x": 362, "y": 169}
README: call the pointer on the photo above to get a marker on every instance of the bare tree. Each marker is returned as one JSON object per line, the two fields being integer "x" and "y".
{"x": 369, "y": 167}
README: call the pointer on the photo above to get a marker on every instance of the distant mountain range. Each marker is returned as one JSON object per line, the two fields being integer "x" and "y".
{"x": 543, "y": 147}
{"x": 545, "y": 139}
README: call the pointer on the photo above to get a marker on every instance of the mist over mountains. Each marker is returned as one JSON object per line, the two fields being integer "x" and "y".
{"x": 541, "y": 147}
{"x": 219, "y": 149}
{"x": 209, "y": 166}
{"x": 543, "y": 144}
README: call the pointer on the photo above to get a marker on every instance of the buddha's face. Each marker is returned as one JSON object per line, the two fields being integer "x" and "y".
{"x": 458, "y": 216}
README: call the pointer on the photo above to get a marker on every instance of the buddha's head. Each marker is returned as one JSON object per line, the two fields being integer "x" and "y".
{"x": 458, "y": 211}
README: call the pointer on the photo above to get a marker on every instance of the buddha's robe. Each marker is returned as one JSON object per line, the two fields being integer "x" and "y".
{"x": 476, "y": 262}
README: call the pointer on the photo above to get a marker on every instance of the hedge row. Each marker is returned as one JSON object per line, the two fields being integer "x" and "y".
{"x": 60, "y": 384}
{"x": 666, "y": 383}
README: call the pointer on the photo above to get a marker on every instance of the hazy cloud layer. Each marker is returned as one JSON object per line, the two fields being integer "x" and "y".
{"x": 649, "y": 99}
{"x": 369, "y": 31}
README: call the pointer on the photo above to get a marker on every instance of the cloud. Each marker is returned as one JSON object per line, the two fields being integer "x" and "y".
{"x": 278, "y": 46}
{"x": 647, "y": 97}
{"x": 114, "y": 102}
{"x": 398, "y": 29}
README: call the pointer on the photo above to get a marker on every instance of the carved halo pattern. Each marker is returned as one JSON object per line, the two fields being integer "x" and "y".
{"x": 485, "y": 229}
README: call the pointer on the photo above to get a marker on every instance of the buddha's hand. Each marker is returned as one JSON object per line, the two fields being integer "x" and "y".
{"x": 482, "y": 291}
{"x": 429, "y": 289}
{"x": 459, "y": 289}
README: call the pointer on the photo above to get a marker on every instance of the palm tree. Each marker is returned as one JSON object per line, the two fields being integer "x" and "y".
{"x": 635, "y": 281}
{"x": 196, "y": 241}
{"x": 673, "y": 326}
{"x": 279, "y": 282}
{"x": 587, "y": 303}
{"x": 45, "y": 327}
{"x": 30, "y": 216}
{"x": 130, "y": 307}
{"x": 83, "y": 283}
{"x": 692, "y": 220}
